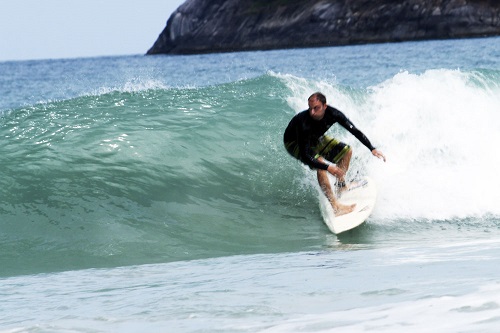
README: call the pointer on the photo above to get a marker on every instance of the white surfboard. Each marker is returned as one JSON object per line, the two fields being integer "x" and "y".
{"x": 364, "y": 196}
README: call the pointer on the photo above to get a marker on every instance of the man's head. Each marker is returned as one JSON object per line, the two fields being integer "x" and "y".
{"x": 317, "y": 106}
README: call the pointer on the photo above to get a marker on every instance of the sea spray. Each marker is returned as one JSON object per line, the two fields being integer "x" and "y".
{"x": 438, "y": 130}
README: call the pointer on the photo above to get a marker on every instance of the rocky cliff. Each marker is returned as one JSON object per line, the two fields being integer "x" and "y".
{"x": 204, "y": 26}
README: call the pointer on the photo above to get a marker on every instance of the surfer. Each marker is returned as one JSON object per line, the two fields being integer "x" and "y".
{"x": 305, "y": 140}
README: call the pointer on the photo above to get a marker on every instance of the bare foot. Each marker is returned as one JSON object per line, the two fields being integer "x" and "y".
{"x": 343, "y": 209}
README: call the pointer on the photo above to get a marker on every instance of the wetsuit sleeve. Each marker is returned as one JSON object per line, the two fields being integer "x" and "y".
{"x": 348, "y": 125}
{"x": 299, "y": 133}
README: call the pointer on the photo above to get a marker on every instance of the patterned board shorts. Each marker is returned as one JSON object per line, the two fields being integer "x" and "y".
{"x": 329, "y": 148}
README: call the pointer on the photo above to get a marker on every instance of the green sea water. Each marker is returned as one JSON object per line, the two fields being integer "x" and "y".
{"x": 154, "y": 193}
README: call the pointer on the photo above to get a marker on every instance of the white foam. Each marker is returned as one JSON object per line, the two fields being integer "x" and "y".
{"x": 439, "y": 131}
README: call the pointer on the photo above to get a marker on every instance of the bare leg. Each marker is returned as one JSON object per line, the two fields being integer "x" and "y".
{"x": 344, "y": 165}
{"x": 324, "y": 183}
{"x": 345, "y": 162}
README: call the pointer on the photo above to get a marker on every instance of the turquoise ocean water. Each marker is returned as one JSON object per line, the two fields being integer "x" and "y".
{"x": 153, "y": 194}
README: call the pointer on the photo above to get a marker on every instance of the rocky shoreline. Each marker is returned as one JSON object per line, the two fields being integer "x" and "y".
{"x": 209, "y": 26}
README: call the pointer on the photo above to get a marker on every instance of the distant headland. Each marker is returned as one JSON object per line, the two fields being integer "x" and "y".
{"x": 209, "y": 26}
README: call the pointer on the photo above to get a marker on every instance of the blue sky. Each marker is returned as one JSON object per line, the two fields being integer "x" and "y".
{"x": 47, "y": 29}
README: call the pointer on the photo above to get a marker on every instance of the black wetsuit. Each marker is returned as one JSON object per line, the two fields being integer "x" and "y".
{"x": 303, "y": 132}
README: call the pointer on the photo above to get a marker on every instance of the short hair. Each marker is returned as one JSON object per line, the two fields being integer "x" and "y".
{"x": 319, "y": 96}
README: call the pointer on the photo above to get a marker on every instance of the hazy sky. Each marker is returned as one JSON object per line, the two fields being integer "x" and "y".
{"x": 43, "y": 29}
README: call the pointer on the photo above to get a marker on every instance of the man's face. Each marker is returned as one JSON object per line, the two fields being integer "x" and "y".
{"x": 316, "y": 109}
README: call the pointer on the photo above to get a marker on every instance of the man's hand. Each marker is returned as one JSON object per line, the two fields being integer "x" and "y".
{"x": 336, "y": 171}
{"x": 378, "y": 153}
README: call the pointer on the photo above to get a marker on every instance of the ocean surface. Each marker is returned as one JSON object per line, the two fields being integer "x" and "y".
{"x": 153, "y": 193}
